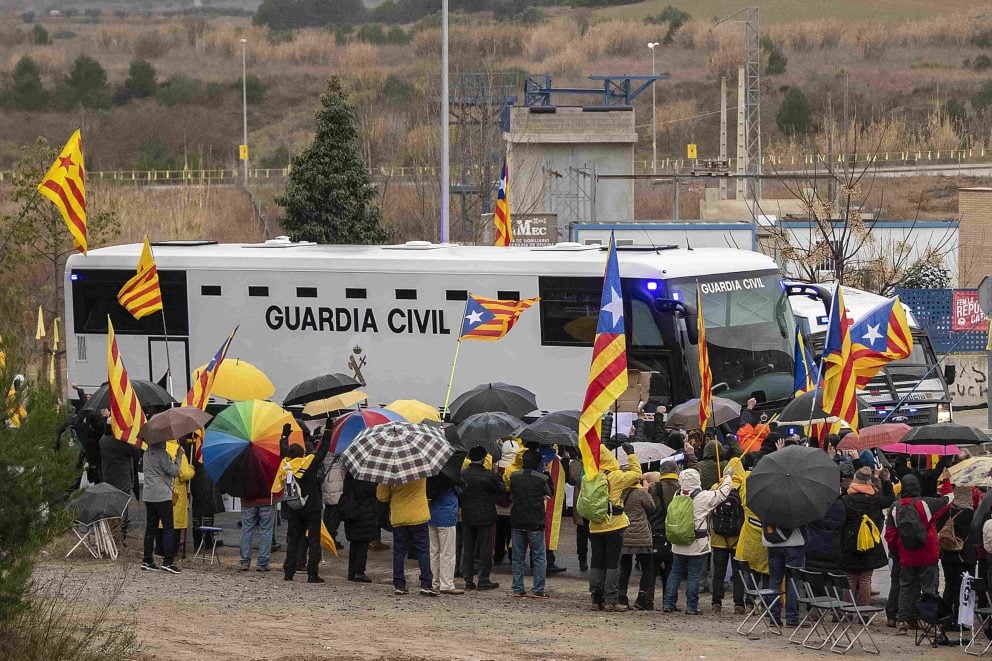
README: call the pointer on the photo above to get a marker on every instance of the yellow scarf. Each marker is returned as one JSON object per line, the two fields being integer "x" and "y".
{"x": 297, "y": 466}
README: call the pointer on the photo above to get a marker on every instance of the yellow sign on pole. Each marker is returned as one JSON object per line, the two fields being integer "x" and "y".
{"x": 690, "y": 150}
{"x": 243, "y": 152}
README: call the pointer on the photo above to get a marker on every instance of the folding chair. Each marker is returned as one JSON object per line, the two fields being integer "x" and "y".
{"x": 838, "y": 584}
{"x": 983, "y": 617}
{"x": 794, "y": 576}
{"x": 204, "y": 530}
{"x": 822, "y": 602}
{"x": 761, "y": 610}
{"x": 936, "y": 615}
{"x": 86, "y": 534}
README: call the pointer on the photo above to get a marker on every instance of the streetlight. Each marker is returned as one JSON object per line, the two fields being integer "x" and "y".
{"x": 244, "y": 99}
{"x": 654, "y": 114}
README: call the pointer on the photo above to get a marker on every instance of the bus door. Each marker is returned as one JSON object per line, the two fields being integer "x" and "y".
{"x": 178, "y": 357}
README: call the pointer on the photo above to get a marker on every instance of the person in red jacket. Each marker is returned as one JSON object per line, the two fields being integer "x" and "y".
{"x": 917, "y": 566}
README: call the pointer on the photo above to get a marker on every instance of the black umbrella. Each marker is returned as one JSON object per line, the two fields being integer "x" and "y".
{"x": 548, "y": 433}
{"x": 946, "y": 433}
{"x": 568, "y": 418}
{"x": 452, "y": 468}
{"x": 99, "y": 501}
{"x": 802, "y": 411}
{"x": 503, "y": 397}
{"x": 150, "y": 396}
{"x": 487, "y": 430}
{"x": 793, "y": 487}
{"x": 320, "y": 387}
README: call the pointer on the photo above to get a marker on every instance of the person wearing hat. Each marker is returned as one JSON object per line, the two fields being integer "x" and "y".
{"x": 483, "y": 488}
{"x": 530, "y": 490}
{"x": 861, "y": 555}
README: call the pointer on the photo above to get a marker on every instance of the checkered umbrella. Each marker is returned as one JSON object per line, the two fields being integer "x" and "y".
{"x": 397, "y": 452}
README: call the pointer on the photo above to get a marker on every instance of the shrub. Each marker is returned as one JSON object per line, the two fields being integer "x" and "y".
{"x": 142, "y": 80}
{"x": 955, "y": 110}
{"x": 982, "y": 99}
{"x": 155, "y": 155}
{"x": 86, "y": 86}
{"x": 64, "y": 35}
{"x": 674, "y": 17}
{"x": 371, "y": 33}
{"x": 397, "y": 91}
{"x": 150, "y": 45}
{"x": 277, "y": 159}
{"x": 981, "y": 63}
{"x": 397, "y": 35}
{"x": 982, "y": 38}
{"x": 27, "y": 16}
{"x": 26, "y": 90}
{"x": 179, "y": 90}
{"x": 254, "y": 89}
{"x": 39, "y": 36}
{"x": 776, "y": 59}
{"x": 795, "y": 116}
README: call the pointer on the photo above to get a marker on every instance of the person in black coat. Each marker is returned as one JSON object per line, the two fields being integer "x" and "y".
{"x": 954, "y": 563}
{"x": 823, "y": 540}
{"x": 304, "y": 523}
{"x": 863, "y": 499}
{"x": 478, "y": 502}
{"x": 357, "y": 507}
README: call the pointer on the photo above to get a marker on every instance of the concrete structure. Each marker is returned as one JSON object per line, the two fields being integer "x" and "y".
{"x": 711, "y": 207}
{"x": 731, "y": 234}
{"x": 975, "y": 211}
{"x": 555, "y": 155}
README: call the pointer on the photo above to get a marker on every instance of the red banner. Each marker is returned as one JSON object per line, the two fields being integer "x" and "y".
{"x": 967, "y": 312}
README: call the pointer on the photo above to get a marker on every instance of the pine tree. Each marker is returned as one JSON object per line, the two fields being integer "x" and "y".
{"x": 795, "y": 116}
{"x": 329, "y": 196}
{"x": 26, "y": 90}
{"x": 86, "y": 86}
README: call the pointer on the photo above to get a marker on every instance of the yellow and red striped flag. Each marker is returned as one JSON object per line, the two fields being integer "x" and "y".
{"x": 838, "y": 366}
{"x": 126, "y": 416}
{"x": 142, "y": 295}
{"x": 203, "y": 382}
{"x": 501, "y": 216}
{"x": 490, "y": 318}
{"x": 65, "y": 186}
{"x": 608, "y": 370}
{"x": 705, "y": 373}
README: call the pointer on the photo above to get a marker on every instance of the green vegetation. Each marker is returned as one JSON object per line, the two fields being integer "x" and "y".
{"x": 329, "y": 196}
{"x": 775, "y": 59}
{"x": 155, "y": 156}
{"x": 795, "y": 116}
{"x": 26, "y": 91}
{"x": 142, "y": 80}
{"x": 39, "y": 36}
{"x": 86, "y": 86}
{"x": 254, "y": 89}
{"x": 289, "y": 14}
{"x": 673, "y": 17}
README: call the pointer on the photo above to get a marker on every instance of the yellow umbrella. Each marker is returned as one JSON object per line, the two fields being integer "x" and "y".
{"x": 973, "y": 472}
{"x": 239, "y": 380}
{"x": 336, "y": 403}
{"x": 414, "y": 411}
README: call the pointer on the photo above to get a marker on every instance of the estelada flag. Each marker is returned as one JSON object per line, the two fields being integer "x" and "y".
{"x": 142, "y": 295}
{"x": 65, "y": 186}
{"x": 608, "y": 370}
{"x": 878, "y": 338}
{"x": 838, "y": 373}
{"x": 705, "y": 373}
{"x": 126, "y": 416}
{"x": 491, "y": 318}
{"x": 501, "y": 215}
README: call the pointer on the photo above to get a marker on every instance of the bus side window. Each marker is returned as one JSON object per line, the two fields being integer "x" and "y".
{"x": 569, "y": 310}
{"x": 94, "y": 297}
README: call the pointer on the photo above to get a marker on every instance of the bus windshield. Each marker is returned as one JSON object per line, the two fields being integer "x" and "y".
{"x": 750, "y": 334}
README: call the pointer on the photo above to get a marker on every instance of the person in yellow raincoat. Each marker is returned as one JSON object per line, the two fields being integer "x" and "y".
{"x": 180, "y": 494}
{"x": 606, "y": 536}
{"x": 724, "y": 549}
{"x": 749, "y": 546}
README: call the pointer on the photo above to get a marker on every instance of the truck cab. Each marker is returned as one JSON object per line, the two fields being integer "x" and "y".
{"x": 915, "y": 378}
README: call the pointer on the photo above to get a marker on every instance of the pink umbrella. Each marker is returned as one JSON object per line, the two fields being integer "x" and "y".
{"x": 875, "y": 436}
{"x": 906, "y": 448}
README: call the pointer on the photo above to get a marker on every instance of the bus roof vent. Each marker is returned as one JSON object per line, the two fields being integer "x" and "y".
{"x": 185, "y": 243}
{"x": 280, "y": 242}
{"x": 417, "y": 245}
{"x": 568, "y": 246}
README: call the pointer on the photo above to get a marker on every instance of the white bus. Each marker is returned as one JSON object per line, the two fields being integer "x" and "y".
{"x": 391, "y": 315}
{"x": 928, "y": 400}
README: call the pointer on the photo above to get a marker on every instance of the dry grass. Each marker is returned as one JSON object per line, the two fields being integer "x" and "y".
{"x": 50, "y": 59}
{"x": 357, "y": 58}
{"x": 810, "y": 35}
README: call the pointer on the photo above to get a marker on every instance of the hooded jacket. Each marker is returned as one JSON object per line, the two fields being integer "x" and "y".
{"x": 703, "y": 503}
{"x": 180, "y": 496}
{"x": 638, "y": 505}
{"x": 823, "y": 539}
{"x": 482, "y": 489}
{"x": 160, "y": 471}
{"x": 358, "y": 510}
{"x": 749, "y": 545}
{"x": 333, "y": 483}
{"x": 718, "y": 541}
{"x": 929, "y": 553}
{"x": 117, "y": 462}
{"x": 407, "y": 502}
{"x": 856, "y": 506}
{"x": 708, "y": 476}
{"x": 618, "y": 480}
{"x": 528, "y": 489}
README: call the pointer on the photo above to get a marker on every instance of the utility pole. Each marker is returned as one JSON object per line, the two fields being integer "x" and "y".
{"x": 751, "y": 93}
{"x": 723, "y": 133}
{"x": 445, "y": 156}
{"x": 741, "y": 135}
{"x": 654, "y": 112}
{"x": 244, "y": 106}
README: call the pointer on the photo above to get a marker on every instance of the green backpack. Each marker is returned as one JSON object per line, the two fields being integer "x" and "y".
{"x": 594, "y": 498}
{"x": 680, "y": 523}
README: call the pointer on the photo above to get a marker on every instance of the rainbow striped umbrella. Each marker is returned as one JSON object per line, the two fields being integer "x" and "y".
{"x": 347, "y": 427}
{"x": 241, "y": 447}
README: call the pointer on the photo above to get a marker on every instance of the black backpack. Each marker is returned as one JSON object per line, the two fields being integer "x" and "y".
{"x": 910, "y": 526}
{"x": 728, "y": 517}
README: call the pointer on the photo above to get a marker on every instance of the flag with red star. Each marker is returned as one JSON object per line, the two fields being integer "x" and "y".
{"x": 65, "y": 186}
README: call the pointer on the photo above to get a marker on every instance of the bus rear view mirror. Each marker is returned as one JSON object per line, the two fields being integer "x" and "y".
{"x": 675, "y": 309}
{"x": 950, "y": 373}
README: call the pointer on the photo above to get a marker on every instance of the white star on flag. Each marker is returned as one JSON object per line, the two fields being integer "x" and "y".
{"x": 474, "y": 317}
{"x": 615, "y": 306}
{"x": 872, "y": 334}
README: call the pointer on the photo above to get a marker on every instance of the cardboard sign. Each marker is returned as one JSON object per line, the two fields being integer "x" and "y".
{"x": 967, "y": 312}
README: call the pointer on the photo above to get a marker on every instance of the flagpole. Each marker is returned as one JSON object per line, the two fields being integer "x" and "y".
{"x": 165, "y": 331}
{"x": 454, "y": 363}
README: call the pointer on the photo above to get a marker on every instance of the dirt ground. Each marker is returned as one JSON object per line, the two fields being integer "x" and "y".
{"x": 215, "y": 612}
